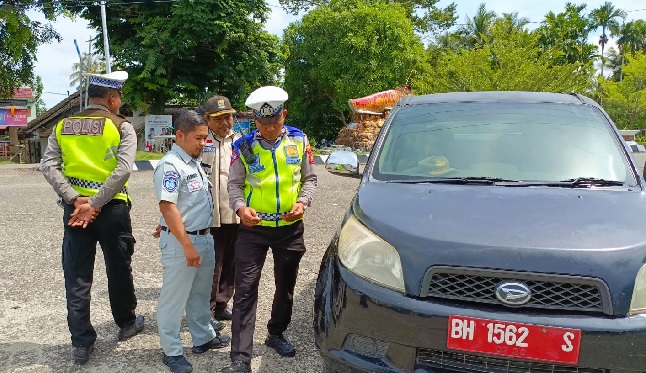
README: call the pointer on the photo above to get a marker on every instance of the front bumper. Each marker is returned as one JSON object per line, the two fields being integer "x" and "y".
{"x": 413, "y": 330}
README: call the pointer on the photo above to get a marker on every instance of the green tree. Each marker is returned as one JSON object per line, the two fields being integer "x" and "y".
{"x": 342, "y": 51}
{"x": 507, "y": 62}
{"x": 631, "y": 37}
{"x": 625, "y": 101}
{"x": 182, "y": 51}
{"x": 37, "y": 86}
{"x": 565, "y": 35}
{"x": 90, "y": 63}
{"x": 425, "y": 14}
{"x": 478, "y": 28}
{"x": 605, "y": 16}
{"x": 19, "y": 39}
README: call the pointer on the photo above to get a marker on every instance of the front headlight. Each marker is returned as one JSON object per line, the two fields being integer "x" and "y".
{"x": 638, "y": 304}
{"x": 370, "y": 257}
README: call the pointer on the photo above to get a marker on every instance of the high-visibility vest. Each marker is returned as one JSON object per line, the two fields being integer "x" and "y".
{"x": 89, "y": 142}
{"x": 273, "y": 179}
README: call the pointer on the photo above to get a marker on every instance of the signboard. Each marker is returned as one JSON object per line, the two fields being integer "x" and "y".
{"x": 155, "y": 127}
{"x": 19, "y": 117}
{"x": 241, "y": 126}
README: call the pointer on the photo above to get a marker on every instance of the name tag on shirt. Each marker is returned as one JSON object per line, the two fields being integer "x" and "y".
{"x": 208, "y": 149}
{"x": 194, "y": 186}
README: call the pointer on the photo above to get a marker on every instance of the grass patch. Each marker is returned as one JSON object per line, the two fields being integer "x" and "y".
{"x": 148, "y": 156}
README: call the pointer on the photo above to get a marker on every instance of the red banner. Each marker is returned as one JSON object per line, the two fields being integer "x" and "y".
{"x": 19, "y": 117}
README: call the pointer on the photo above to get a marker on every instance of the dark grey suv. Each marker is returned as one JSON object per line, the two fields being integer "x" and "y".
{"x": 491, "y": 232}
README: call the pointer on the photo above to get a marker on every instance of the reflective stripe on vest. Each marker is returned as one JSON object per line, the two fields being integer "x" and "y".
{"x": 90, "y": 184}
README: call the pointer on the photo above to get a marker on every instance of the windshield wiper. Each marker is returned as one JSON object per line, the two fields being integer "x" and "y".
{"x": 455, "y": 180}
{"x": 592, "y": 181}
{"x": 579, "y": 182}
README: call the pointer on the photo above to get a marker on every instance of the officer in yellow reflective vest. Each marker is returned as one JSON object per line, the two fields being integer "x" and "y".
{"x": 271, "y": 183}
{"x": 88, "y": 161}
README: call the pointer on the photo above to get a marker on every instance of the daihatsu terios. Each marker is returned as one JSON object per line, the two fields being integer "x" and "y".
{"x": 491, "y": 232}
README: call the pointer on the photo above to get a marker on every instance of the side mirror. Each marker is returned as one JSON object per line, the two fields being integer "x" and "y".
{"x": 343, "y": 163}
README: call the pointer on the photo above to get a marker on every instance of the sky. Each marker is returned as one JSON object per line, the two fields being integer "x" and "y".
{"x": 55, "y": 60}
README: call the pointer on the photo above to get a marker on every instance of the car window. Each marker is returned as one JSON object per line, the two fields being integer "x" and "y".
{"x": 519, "y": 141}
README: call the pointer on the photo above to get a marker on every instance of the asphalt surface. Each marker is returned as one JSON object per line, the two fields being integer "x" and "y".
{"x": 33, "y": 327}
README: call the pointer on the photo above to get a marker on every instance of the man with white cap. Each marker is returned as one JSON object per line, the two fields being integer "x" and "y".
{"x": 88, "y": 161}
{"x": 271, "y": 183}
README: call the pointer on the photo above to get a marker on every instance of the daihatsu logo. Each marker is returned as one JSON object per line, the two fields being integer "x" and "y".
{"x": 513, "y": 293}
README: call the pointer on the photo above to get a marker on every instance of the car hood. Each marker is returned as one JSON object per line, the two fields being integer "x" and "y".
{"x": 582, "y": 232}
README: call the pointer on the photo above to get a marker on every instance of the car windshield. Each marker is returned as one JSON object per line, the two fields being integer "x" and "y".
{"x": 547, "y": 142}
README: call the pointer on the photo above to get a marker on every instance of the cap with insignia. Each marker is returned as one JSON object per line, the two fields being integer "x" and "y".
{"x": 266, "y": 101}
{"x": 218, "y": 105}
{"x": 114, "y": 79}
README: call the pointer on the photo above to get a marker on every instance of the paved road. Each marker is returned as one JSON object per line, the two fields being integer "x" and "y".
{"x": 34, "y": 335}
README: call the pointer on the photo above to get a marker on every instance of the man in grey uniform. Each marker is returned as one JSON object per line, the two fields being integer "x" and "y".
{"x": 271, "y": 183}
{"x": 88, "y": 161}
{"x": 187, "y": 256}
{"x": 216, "y": 159}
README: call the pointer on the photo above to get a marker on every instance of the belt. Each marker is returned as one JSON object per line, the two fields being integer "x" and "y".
{"x": 200, "y": 232}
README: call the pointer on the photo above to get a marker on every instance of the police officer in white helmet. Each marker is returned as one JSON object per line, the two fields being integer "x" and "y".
{"x": 271, "y": 183}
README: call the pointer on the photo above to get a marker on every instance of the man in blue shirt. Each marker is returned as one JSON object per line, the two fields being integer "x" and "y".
{"x": 187, "y": 255}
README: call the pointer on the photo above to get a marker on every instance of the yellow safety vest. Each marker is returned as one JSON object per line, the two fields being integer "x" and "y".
{"x": 89, "y": 143}
{"x": 273, "y": 180}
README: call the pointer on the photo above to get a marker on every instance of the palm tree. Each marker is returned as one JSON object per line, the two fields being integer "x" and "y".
{"x": 92, "y": 63}
{"x": 478, "y": 28}
{"x": 631, "y": 38}
{"x": 605, "y": 16}
{"x": 513, "y": 21}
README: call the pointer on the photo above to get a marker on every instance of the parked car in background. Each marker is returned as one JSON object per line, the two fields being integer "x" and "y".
{"x": 491, "y": 232}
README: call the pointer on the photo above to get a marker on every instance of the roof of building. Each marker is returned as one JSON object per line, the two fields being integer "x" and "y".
{"x": 23, "y": 93}
{"x": 52, "y": 116}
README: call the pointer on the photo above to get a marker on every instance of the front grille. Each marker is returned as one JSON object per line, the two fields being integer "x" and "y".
{"x": 427, "y": 359}
{"x": 558, "y": 292}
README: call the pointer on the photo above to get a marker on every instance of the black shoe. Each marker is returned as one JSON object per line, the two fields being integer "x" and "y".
{"x": 217, "y": 325}
{"x": 177, "y": 364}
{"x": 237, "y": 366}
{"x": 224, "y": 314}
{"x": 132, "y": 330}
{"x": 82, "y": 354}
{"x": 220, "y": 341}
{"x": 281, "y": 345}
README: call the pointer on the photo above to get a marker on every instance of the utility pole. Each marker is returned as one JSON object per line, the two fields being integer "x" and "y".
{"x": 106, "y": 46}
{"x": 78, "y": 51}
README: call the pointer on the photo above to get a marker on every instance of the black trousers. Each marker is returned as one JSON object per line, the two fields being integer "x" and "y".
{"x": 112, "y": 229}
{"x": 224, "y": 239}
{"x": 287, "y": 246}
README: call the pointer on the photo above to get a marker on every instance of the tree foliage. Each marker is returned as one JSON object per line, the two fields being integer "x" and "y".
{"x": 19, "y": 39}
{"x": 565, "y": 35}
{"x": 507, "y": 61}
{"x": 625, "y": 101}
{"x": 425, "y": 15}
{"x": 89, "y": 63}
{"x": 185, "y": 51}
{"x": 337, "y": 52}
{"x": 605, "y": 16}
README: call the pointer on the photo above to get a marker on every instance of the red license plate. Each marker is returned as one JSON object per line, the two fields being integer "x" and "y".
{"x": 514, "y": 340}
